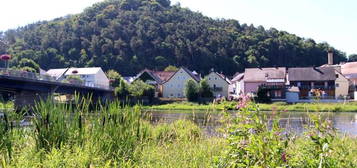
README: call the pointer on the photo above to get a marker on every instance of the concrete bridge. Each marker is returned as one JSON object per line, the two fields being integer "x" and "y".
{"x": 28, "y": 87}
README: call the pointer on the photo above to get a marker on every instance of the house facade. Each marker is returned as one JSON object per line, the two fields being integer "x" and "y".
{"x": 92, "y": 77}
{"x": 349, "y": 70}
{"x": 313, "y": 80}
{"x": 155, "y": 78}
{"x": 342, "y": 85}
{"x": 272, "y": 79}
{"x": 237, "y": 85}
{"x": 174, "y": 87}
{"x": 219, "y": 84}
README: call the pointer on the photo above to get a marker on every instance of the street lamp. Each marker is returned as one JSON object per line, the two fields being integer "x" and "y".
{"x": 6, "y": 58}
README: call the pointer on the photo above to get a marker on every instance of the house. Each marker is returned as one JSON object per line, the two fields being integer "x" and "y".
{"x": 174, "y": 86}
{"x": 349, "y": 70}
{"x": 219, "y": 84}
{"x": 237, "y": 85}
{"x": 313, "y": 79}
{"x": 342, "y": 85}
{"x": 272, "y": 79}
{"x": 93, "y": 77}
{"x": 155, "y": 78}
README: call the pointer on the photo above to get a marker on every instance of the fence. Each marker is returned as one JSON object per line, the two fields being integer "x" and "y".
{"x": 41, "y": 77}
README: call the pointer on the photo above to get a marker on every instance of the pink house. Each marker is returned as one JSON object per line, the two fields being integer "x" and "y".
{"x": 270, "y": 78}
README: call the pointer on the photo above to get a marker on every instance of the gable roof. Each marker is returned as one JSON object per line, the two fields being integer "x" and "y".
{"x": 158, "y": 76}
{"x": 264, "y": 74}
{"x": 238, "y": 77}
{"x": 193, "y": 76}
{"x": 163, "y": 75}
{"x": 349, "y": 68}
{"x": 312, "y": 74}
{"x": 196, "y": 77}
{"x": 222, "y": 77}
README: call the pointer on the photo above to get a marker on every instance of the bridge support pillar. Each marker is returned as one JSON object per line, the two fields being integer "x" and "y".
{"x": 27, "y": 99}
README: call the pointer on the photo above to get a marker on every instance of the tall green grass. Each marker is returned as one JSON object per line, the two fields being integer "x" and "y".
{"x": 115, "y": 135}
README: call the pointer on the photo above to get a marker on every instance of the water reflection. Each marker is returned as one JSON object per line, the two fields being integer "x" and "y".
{"x": 293, "y": 122}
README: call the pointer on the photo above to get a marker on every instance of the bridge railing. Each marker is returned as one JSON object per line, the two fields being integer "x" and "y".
{"x": 26, "y": 75}
{"x": 41, "y": 77}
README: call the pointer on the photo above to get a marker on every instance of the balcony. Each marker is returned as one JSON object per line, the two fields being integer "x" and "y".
{"x": 317, "y": 87}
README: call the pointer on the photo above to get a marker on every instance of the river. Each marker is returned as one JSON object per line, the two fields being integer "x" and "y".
{"x": 293, "y": 122}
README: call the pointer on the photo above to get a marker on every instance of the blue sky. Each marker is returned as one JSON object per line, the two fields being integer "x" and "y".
{"x": 333, "y": 21}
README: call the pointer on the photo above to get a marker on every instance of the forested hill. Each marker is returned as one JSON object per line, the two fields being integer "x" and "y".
{"x": 129, "y": 35}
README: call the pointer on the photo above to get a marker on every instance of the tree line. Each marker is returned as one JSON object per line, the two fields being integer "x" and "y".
{"x": 130, "y": 35}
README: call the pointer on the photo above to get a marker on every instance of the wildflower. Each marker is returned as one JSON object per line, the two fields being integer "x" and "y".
{"x": 283, "y": 157}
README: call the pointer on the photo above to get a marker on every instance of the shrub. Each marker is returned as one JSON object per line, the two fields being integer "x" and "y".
{"x": 140, "y": 89}
{"x": 262, "y": 96}
{"x": 122, "y": 91}
{"x": 252, "y": 143}
{"x": 191, "y": 90}
{"x": 205, "y": 90}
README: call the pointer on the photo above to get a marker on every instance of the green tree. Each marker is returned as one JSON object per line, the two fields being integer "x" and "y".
{"x": 205, "y": 90}
{"x": 114, "y": 77}
{"x": 191, "y": 90}
{"x": 352, "y": 58}
{"x": 122, "y": 91}
{"x": 141, "y": 89}
{"x": 171, "y": 68}
{"x": 28, "y": 65}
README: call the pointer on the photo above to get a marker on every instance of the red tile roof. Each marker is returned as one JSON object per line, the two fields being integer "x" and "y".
{"x": 163, "y": 75}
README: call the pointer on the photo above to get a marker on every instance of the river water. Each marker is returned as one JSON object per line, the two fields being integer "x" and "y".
{"x": 293, "y": 122}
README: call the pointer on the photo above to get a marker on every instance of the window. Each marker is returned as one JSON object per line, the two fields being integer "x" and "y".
{"x": 215, "y": 78}
{"x": 337, "y": 85}
{"x": 336, "y": 75}
{"x": 209, "y": 78}
{"x": 178, "y": 95}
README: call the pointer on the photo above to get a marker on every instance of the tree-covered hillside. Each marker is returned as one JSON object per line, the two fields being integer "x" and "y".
{"x": 129, "y": 35}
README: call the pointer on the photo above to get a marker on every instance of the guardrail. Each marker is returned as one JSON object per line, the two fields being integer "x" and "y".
{"x": 40, "y": 77}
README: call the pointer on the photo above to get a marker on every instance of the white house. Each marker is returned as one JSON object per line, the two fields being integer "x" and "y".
{"x": 237, "y": 85}
{"x": 218, "y": 83}
{"x": 91, "y": 76}
{"x": 174, "y": 87}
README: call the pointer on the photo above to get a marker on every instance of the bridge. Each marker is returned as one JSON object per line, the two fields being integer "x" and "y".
{"x": 28, "y": 87}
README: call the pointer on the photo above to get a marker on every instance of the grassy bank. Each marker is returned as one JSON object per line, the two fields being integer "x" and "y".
{"x": 311, "y": 107}
{"x": 190, "y": 106}
{"x": 279, "y": 106}
{"x": 116, "y": 136}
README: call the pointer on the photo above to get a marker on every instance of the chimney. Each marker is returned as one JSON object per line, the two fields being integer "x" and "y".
{"x": 330, "y": 57}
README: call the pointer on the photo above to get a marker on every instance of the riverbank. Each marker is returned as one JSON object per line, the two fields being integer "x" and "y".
{"x": 310, "y": 107}
{"x": 279, "y": 106}
{"x": 123, "y": 137}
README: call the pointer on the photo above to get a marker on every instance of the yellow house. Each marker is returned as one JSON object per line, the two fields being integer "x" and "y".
{"x": 174, "y": 87}
{"x": 218, "y": 83}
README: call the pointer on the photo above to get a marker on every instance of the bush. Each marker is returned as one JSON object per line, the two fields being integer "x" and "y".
{"x": 205, "y": 90}
{"x": 191, "y": 90}
{"x": 262, "y": 96}
{"x": 141, "y": 89}
{"x": 122, "y": 91}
